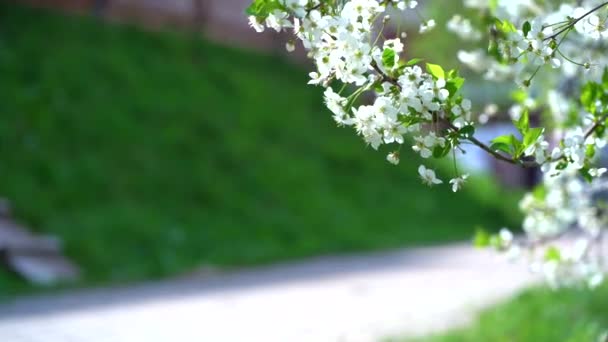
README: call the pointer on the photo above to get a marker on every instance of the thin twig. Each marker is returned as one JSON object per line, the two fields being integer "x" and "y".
{"x": 575, "y": 21}
{"x": 481, "y": 145}
{"x": 596, "y": 125}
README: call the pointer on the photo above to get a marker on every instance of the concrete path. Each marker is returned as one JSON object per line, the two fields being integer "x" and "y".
{"x": 360, "y": 298}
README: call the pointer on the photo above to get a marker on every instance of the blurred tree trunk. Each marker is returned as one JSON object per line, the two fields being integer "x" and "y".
{"x": 100, "y": 7}
{"x": 201, "y": 8}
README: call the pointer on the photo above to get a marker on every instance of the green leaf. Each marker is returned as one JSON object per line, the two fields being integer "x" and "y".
{"x": 518, "y": 146}
{"x": 600, "y": 130}
{"x": 454, "y": 84}
{"x": 494, "y": 51}
{"x": 590, "y": 152}
{"x": 503, "y": 143}
{"x": 467, "y": 131}
{"x": 561, "y": 165}
{"x": 505, "y": 26}
{"x": 440, "y": 152}
{"x": 589, "y": 95}
{"x": 262, "y": 8}
{"x": 523, "y": 123}
{"x": 413, "y": 61}
{"x": 388, "y": 57}
{"x": 553, "y": 254}
{"x": 584, "y": 172}
{"x": 453, "y": 74}
{"x": 435, "y": 70}
{"x": 495, "y": 241}
{"x": 526, "y": 28}
{"x": 519, "y": 96}
{"x": 501, "y": 147}
{"x": 481, "y": 239}
{"x": 532, "y": 136}
{"x": 540, "y": 192}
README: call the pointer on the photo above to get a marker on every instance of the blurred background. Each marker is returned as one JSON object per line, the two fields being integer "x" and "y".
{"x": 180, "y": 138}
{"x": 148, "y": 139}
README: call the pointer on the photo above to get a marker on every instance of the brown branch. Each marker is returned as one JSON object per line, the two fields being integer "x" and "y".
{"x": 475, "y": 141}
{"x": 596, "y": 125}
{"x": 385, "y": 77}
{"x": 481, "y": 145}
{"x": 495, "y": 154}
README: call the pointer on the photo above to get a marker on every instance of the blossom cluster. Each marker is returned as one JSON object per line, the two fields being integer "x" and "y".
{"x": 425, "y": 108}
{"x": 567, "y": 37}
{"x": 407, "y": 99}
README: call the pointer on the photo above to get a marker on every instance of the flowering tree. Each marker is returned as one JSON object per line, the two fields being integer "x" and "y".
{"x": 553, "y": 51}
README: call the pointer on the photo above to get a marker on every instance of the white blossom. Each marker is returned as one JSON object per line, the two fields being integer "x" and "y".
{"x": 426, "y": 26}
{"x": 393, "y": 158}
{"x": 428, "y": 176}
{"x": 410, "y": 105}
{"x": 458, "y": 182}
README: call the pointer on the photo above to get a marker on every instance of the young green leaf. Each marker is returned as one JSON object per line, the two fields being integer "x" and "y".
{"x": 532, "y": 135}
{"x": 440, "y": 152}
{"x": 262, "y": 8}
{"x": 526, "y": 28}
{"x": 435, "y": 70}
{"x": 523, "y": 123}
{"x": 589, "y": 95}
{"x": 413, "y": 61}
{"x": 584, "y": 172}
{"x": 481, "y": 239}
{"x": 467, "y": 131}
{"x": 454, "y": 84}
{"x": 503, "y": 143}
{"x": 540, "y": 192}
{"x": 553, "y": 254}
{"x": 388, "y": 58}
{"x": 519, "y": 96}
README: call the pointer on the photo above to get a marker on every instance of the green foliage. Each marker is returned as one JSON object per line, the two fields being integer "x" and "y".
{"x": 526, "y": 28}
{"x": 262, "y": 8}
{"x": 591, "y": 93}
{"x": 539, "y": 315}
{"x": 435, "y": 70}
{"x": 506, "y": 26}
{"x": 511, "y": 145}
{"x": 454, "y": 84}
{"x": 540, "y": 192}
{"x": 523, "y": 123}
{"x": 467, "y": 131}
{"x": 506, "y": 143}
{"x": 413, "y": 61}
{"x": 482, "y": 238}
{"x": 553, "y": 254}
{"x": 519, "y": 96}
{"x": 531, "y": 136}
{"x": 388, "y": 57}
{"x": 442, "y": 151}
{"x": 151, "y": 154}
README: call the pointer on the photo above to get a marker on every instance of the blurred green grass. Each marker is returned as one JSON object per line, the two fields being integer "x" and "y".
{"x": 539, "y": 315}
{"x": 150, "y": 154}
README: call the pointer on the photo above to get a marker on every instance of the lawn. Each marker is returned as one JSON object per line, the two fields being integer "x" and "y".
{"x": 150, "y": 154}
{"x": 539, "y": 315}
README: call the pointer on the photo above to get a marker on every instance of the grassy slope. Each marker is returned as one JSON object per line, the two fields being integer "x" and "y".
{"x": 151, "y": 153}
{"x": 540, "y": 315}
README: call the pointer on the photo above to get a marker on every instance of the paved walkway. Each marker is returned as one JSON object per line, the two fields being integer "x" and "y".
{"x": 361, "y": 298}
